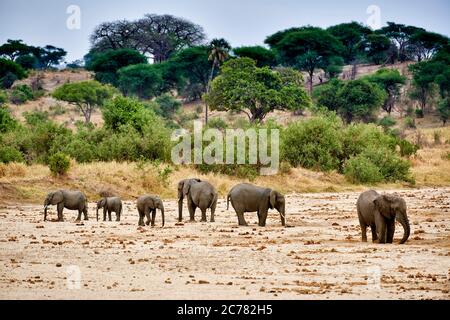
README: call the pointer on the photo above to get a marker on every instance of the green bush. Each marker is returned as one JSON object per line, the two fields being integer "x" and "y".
{"x": 59, "y": 163}
{"x": 35, "y": 117}
{"x": 7, "y": 122}
{"x": 314, "y": 143}
{"x": 359, "y": 169}
{"x": 10, "y": 154}
{"x": 407, "y": 148}
{"x": 419, "y": 113}
{"x": 21, "y": 94}
{"x": 217, "y": 123}
{"x": 168, "y": 105}
{"x": 410, "y": 123}
{"x": 387, "y": 122}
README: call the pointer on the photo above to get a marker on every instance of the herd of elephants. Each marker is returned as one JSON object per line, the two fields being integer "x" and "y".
{"x": 379, "y": 211}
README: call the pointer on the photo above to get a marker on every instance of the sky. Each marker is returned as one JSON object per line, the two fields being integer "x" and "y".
{"x": 241, "y": 22}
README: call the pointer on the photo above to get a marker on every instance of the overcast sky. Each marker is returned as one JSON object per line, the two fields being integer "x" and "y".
{"x": 242, "y": 22}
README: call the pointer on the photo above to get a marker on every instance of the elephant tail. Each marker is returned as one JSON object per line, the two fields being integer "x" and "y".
{"x": 228, "y": 201}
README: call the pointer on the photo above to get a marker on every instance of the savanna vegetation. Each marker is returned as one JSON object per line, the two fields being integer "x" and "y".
{"x": 142, "y": 77}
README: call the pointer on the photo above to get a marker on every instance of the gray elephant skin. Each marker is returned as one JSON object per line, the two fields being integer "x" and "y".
{"x": 72, "y": 200}
{"x": 199, "y": 194}
{"x": 379, "y": 212}
{"x": 145, "y": 205}
{"x": 246, "y": 197}
{"x": 110, "y": 204}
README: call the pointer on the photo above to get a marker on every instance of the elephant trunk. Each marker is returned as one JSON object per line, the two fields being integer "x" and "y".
{"x": 162, "y": 215}
{"x": 180, "y": 209}
{"x": 403, "y": 219}
{"x": 45, "y": 212}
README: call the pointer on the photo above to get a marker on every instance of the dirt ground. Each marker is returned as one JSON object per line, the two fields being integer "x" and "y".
{"x": 319, "y": 256}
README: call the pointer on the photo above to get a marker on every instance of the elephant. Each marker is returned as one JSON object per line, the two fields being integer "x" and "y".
{"x": 199, "y": 194}
{"x": 72, "y": 200}
{"x": 379, "y": 211}
{"x": 145, "y": 205}
{"x": 246, "y": 197}
{"x": 110, "y": 204}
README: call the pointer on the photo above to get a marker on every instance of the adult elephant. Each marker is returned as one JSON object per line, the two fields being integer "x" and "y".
{"x": 72, "y": 200}
{"x": 379, "y": 211}
{"x": 246, "y": 197}
{"x": 199, "y": 194}
{"x": 145, "y": 205}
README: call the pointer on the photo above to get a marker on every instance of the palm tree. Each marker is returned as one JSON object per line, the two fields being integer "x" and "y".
{"x": 218, "y": 53}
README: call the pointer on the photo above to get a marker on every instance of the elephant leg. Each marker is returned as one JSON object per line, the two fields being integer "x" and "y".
{"x": 79, "y": 216}
{"x": 390, "y": 231}
{"x": 141, "y": 218}
{"x": 191, "y": 207}
{"x": 109, "y": 215}
{"x": 147, "y": 215}
{"x": 262, "y": 219}
{"x": 203, "y": 214}
{"x": 373, "y": 228}
{"x": 104, "y": 214}
{"x": 153, "y": 217}
{"x": 118, "y": 213}
{"x": 213, "y": 211}
{"x": 363, "y": 232}
{"x": 241, "y": 219}
{"x": 259, "y": 217}
{"x": 85, "y": 213}
{"x": 380, "y": 223}
{"x": 60, "y": 209}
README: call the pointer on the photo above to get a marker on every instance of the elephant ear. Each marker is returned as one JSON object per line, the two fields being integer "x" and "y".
{"x": 383, "y": 205}
{"x": 56, "y": 197}
{"x": 272, "y": 199}
{"x": 186, "y": 187}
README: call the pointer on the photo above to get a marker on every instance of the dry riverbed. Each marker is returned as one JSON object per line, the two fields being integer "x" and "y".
{"x": 319, "y": 256}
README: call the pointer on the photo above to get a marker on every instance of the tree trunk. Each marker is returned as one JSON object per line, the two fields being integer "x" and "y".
{"x": 208, "y": 88}
{"x": 311, "y": 74}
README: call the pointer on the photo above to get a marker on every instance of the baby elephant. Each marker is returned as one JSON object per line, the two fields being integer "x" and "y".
{"x": 72, "y": 200}
{"x": 111, "y": 204}
{"x": 379, "y": 211}
{"x": 147, "y": 204}
{"x": 249, "y": 198}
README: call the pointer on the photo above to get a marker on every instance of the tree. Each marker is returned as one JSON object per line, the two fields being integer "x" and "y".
{"x": 141, "y": 80}
{"x": 9, "y": 72}
{"x": 264, "y": 57}
{"x": 27, "y": 61}
{"x": 376, "y": 48}
{"x": 390, "y": 81}
{"x": 243, "y": 87}
{"x": 191, "y": 69}
{"x": 309, "y": 49}
{"x": 351, "y": 35}
{"x": 400, "y": 35}
{"x": 49, "y": 56}
{"x": 14, "y": 48}
{"x": 444, "y": 110}
{"x": 423, "y": 85}
{"x": 425, "y": 44}
{"x": 359, "y": 99}
{"x": 218, "y": 53}
{"x": 106, "y": 64}
{"x": 86, "y": 95}
{"x": 157, "y": 35}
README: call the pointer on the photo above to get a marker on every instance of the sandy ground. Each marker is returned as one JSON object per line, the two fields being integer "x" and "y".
{"x": 320, "y": 256}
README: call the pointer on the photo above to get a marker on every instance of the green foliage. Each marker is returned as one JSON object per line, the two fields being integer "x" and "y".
{"x": 86, "y": 95}
{"x": 33, "y": 118}
{"x": 314, "y": 143}
{"x": 27, "y": 61}
{"x": 7, "y": 122}
{"x": 141, "y": 80}
{"x": 243, "y": 87}
{"x": 9, "y": 72}
{"x": 167, "y": 105}
{"x": 21, "y": 94}
{"x": 59, "y": 163}
{"x": 10, "y": 154}
{"x": 352, "y": 100}
{"x": 217, "y": 123}
{"x": 444, "y": 110}
{"x": 387, "y": 122}
{"x": 360, "y": 169}
{"x": 419, "y": 113}
{"x": 263, "y": 57}
{"x": 376, "y": 48}
{"x": 106, "y": 64}
{"x": 410, "y": 122}
{"x": 407, "y": 149}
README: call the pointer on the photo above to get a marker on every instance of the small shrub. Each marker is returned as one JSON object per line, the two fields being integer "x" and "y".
{"x": 10, "y": 154}
{"x": 387, "y": 122}
{"x": 407, "y": 148}
{"x": 199, "y": 109}
{"x": 59, "y": 163}
{"x": 35, "y": 117}
{"x": 419, "y": 113}
{"x": 57, "y": 109}
{"x": 21, "y": 94}
{"x": 437, "y": 137}
{"x": 7, "y": 122}
{"x": 410, "y": 123}
{"x": 217, "y": 123}
{"x": 168, "y": 105}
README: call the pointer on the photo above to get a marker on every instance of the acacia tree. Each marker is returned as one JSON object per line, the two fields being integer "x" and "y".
{"x": 400, "y": 35}
{"x": 309, "y": 49}
{"x": 425, "y": 44}
{"x": 157, "y": 35}
{"x": 263, "y": 56}
{"x": 390, "y": 81}
{"x": 243, "y": 87}
{"x": 86, "y": 95}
